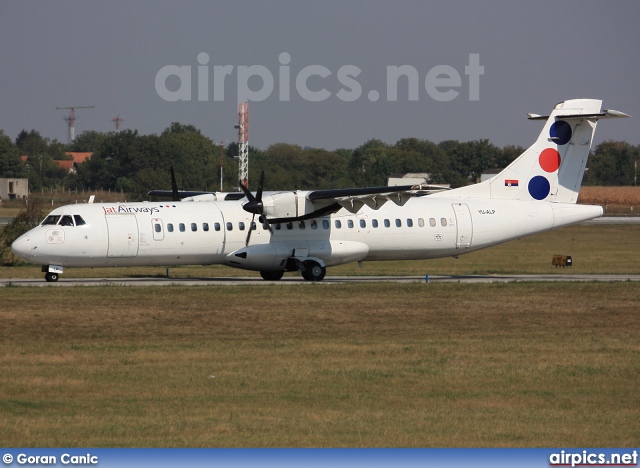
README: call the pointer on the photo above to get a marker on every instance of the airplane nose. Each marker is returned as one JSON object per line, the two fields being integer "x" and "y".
{"x": 22, "y": 246}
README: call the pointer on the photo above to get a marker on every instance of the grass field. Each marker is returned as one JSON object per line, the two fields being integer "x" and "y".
{"x": 376, "y": 365}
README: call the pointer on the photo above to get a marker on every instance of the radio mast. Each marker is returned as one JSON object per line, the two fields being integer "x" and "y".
{"x": 71, "y": 120}
{"x": 243, "y": 143}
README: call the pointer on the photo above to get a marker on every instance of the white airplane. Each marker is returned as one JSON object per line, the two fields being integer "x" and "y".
{"x": 309, "y": 231}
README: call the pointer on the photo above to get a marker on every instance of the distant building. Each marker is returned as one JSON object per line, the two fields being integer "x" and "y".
{"x": 79, "y": 158}
{"x": 69, "y": 165}
{"x": 13, "y": 188}
{"x": 407, "y": 179}
{"x": 488, "y": 174}
{"x": 412, "y": 178}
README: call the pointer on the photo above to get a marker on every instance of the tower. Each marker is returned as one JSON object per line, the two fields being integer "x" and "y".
{"x": 71, "y": 120}
{"x": 117, "y": 120}
{"x": 243, "y": 143}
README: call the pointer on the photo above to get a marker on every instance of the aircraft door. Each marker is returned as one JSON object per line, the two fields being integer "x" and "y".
{"x": 158, "y": 229}
{"x": 123, "y": 235}
{"x": 464, "y": 225}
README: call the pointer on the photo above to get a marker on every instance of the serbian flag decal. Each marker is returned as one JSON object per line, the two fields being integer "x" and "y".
{"x": 511, "y": 183}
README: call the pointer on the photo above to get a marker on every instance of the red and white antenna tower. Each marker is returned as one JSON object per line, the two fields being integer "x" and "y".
{"x": 243, "y": 143}
{"x": 71, "y": 120}
{"x": 117, "y": 120}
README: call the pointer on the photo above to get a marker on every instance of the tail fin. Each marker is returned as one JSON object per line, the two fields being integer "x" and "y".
{"x": 552, "y": 168}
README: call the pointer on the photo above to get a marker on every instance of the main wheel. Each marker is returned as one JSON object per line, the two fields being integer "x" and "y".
{"x": 313, "y": 271}
{"x": 271, "y": 275}
{"x": 51, "y": 277}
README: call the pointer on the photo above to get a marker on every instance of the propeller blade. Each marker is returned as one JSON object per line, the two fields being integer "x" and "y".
{"x": 254, "y": 205}
{"x": 250, "y": 229}
{"x": 174, "y": 186}
{"x": 259, "y": 194}
{"x": 246, "y": 191}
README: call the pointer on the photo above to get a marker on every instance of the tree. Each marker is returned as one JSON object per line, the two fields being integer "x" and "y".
{"x": 612, "y": 163}
{"x": 10, "y": 163}
{"x": 27, "y": 219}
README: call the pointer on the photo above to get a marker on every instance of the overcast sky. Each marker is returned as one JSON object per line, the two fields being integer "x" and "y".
{"x": 110, "y": 54}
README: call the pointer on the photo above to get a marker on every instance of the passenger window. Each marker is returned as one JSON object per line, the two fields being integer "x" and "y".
{"x": 363, "y": 223}
{"x": 216, "y": 226}
{"x": 79, "y": 220}
{"x": 157, "y": 228}
{"x": 398, "y": 223}
{"x": 374, "y": 223}
{"x": 253, "y": 226}
{"x": 432, "y": 222}
{"x": 443, "y": 221}
{"x": 314, "y": 225}
{"x": 289, "y": 225}
{"x": 325, "y": 224}
{"x": 194, "y": 227}
{"x": 66, "y": 221}
{"x": 301, "y": 224}
{"x": 420, "y": 222}
{"x": 205, "y": 227}
{"x": 170, "y": 227}
{"x": 350, "y": 224}
{"x": 387, "y": 223}
{"x": 229, "y": 226}
{"x": 241, "y": 226}
{"x": 409, "y": 222}
{"x": 181, "y": 227}
{"x": 49, "y": 220}
{"x": 338, "y": 224}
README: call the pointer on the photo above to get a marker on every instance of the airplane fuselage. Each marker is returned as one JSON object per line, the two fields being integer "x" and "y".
{"x": 205, "y": 233}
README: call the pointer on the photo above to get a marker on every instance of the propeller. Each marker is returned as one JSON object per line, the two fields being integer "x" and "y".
{"x": 254, "y": 205}
{"x": 174, "y": 185}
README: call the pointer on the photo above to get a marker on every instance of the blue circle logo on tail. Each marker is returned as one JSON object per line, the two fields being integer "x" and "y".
{"x": 560, "y": 132}
{"x": 539, "y": 187}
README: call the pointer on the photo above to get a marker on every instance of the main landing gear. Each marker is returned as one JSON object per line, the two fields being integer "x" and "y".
{"x": 311, "y": 270}
{"x": 272, "y": 275}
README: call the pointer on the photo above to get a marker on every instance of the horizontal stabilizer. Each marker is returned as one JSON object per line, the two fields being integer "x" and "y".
{"x": 605, "y": 114}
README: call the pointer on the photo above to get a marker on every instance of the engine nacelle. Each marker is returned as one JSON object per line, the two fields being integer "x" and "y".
{"x": 274, "y": 256}
{"x": 287, "y": 205}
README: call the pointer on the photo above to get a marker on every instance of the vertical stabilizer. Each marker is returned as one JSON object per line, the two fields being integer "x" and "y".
{"x": 553, "y": 167}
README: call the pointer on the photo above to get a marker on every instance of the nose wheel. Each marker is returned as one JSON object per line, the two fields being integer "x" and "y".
{"x": 51, "y": 277}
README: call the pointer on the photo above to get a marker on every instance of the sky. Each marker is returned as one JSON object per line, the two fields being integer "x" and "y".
{"x": 317, "y": 74}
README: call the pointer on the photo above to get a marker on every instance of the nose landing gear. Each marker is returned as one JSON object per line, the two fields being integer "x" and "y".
{"x": 52, "y": 272}
{"x": 51, "y": 277}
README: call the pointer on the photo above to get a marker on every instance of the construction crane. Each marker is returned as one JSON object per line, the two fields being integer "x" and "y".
{"x": 71, "y": 119}
{"x": 243, "y": 143}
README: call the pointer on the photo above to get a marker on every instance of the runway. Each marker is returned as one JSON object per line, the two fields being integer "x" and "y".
{"x": 289, "y": 281}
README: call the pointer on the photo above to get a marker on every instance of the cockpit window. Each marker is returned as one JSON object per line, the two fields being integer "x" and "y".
{"x": 79, "y": 221}
{"x": 51, "y": 220}
{"x": 66, "y": 221}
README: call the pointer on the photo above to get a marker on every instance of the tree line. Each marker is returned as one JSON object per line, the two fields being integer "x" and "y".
{"x": 134, "y": 163}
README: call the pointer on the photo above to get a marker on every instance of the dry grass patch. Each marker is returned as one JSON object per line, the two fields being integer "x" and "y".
{"x": 321, "y": 365}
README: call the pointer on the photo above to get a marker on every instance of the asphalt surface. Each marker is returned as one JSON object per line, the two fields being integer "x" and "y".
{"x": 288, "y": 281}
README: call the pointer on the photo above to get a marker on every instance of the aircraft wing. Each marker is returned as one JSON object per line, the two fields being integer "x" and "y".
{"x": 353, "y": 199}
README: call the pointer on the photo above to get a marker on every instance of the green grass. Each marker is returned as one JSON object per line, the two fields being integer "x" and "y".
{"x": 375, "y": 365}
